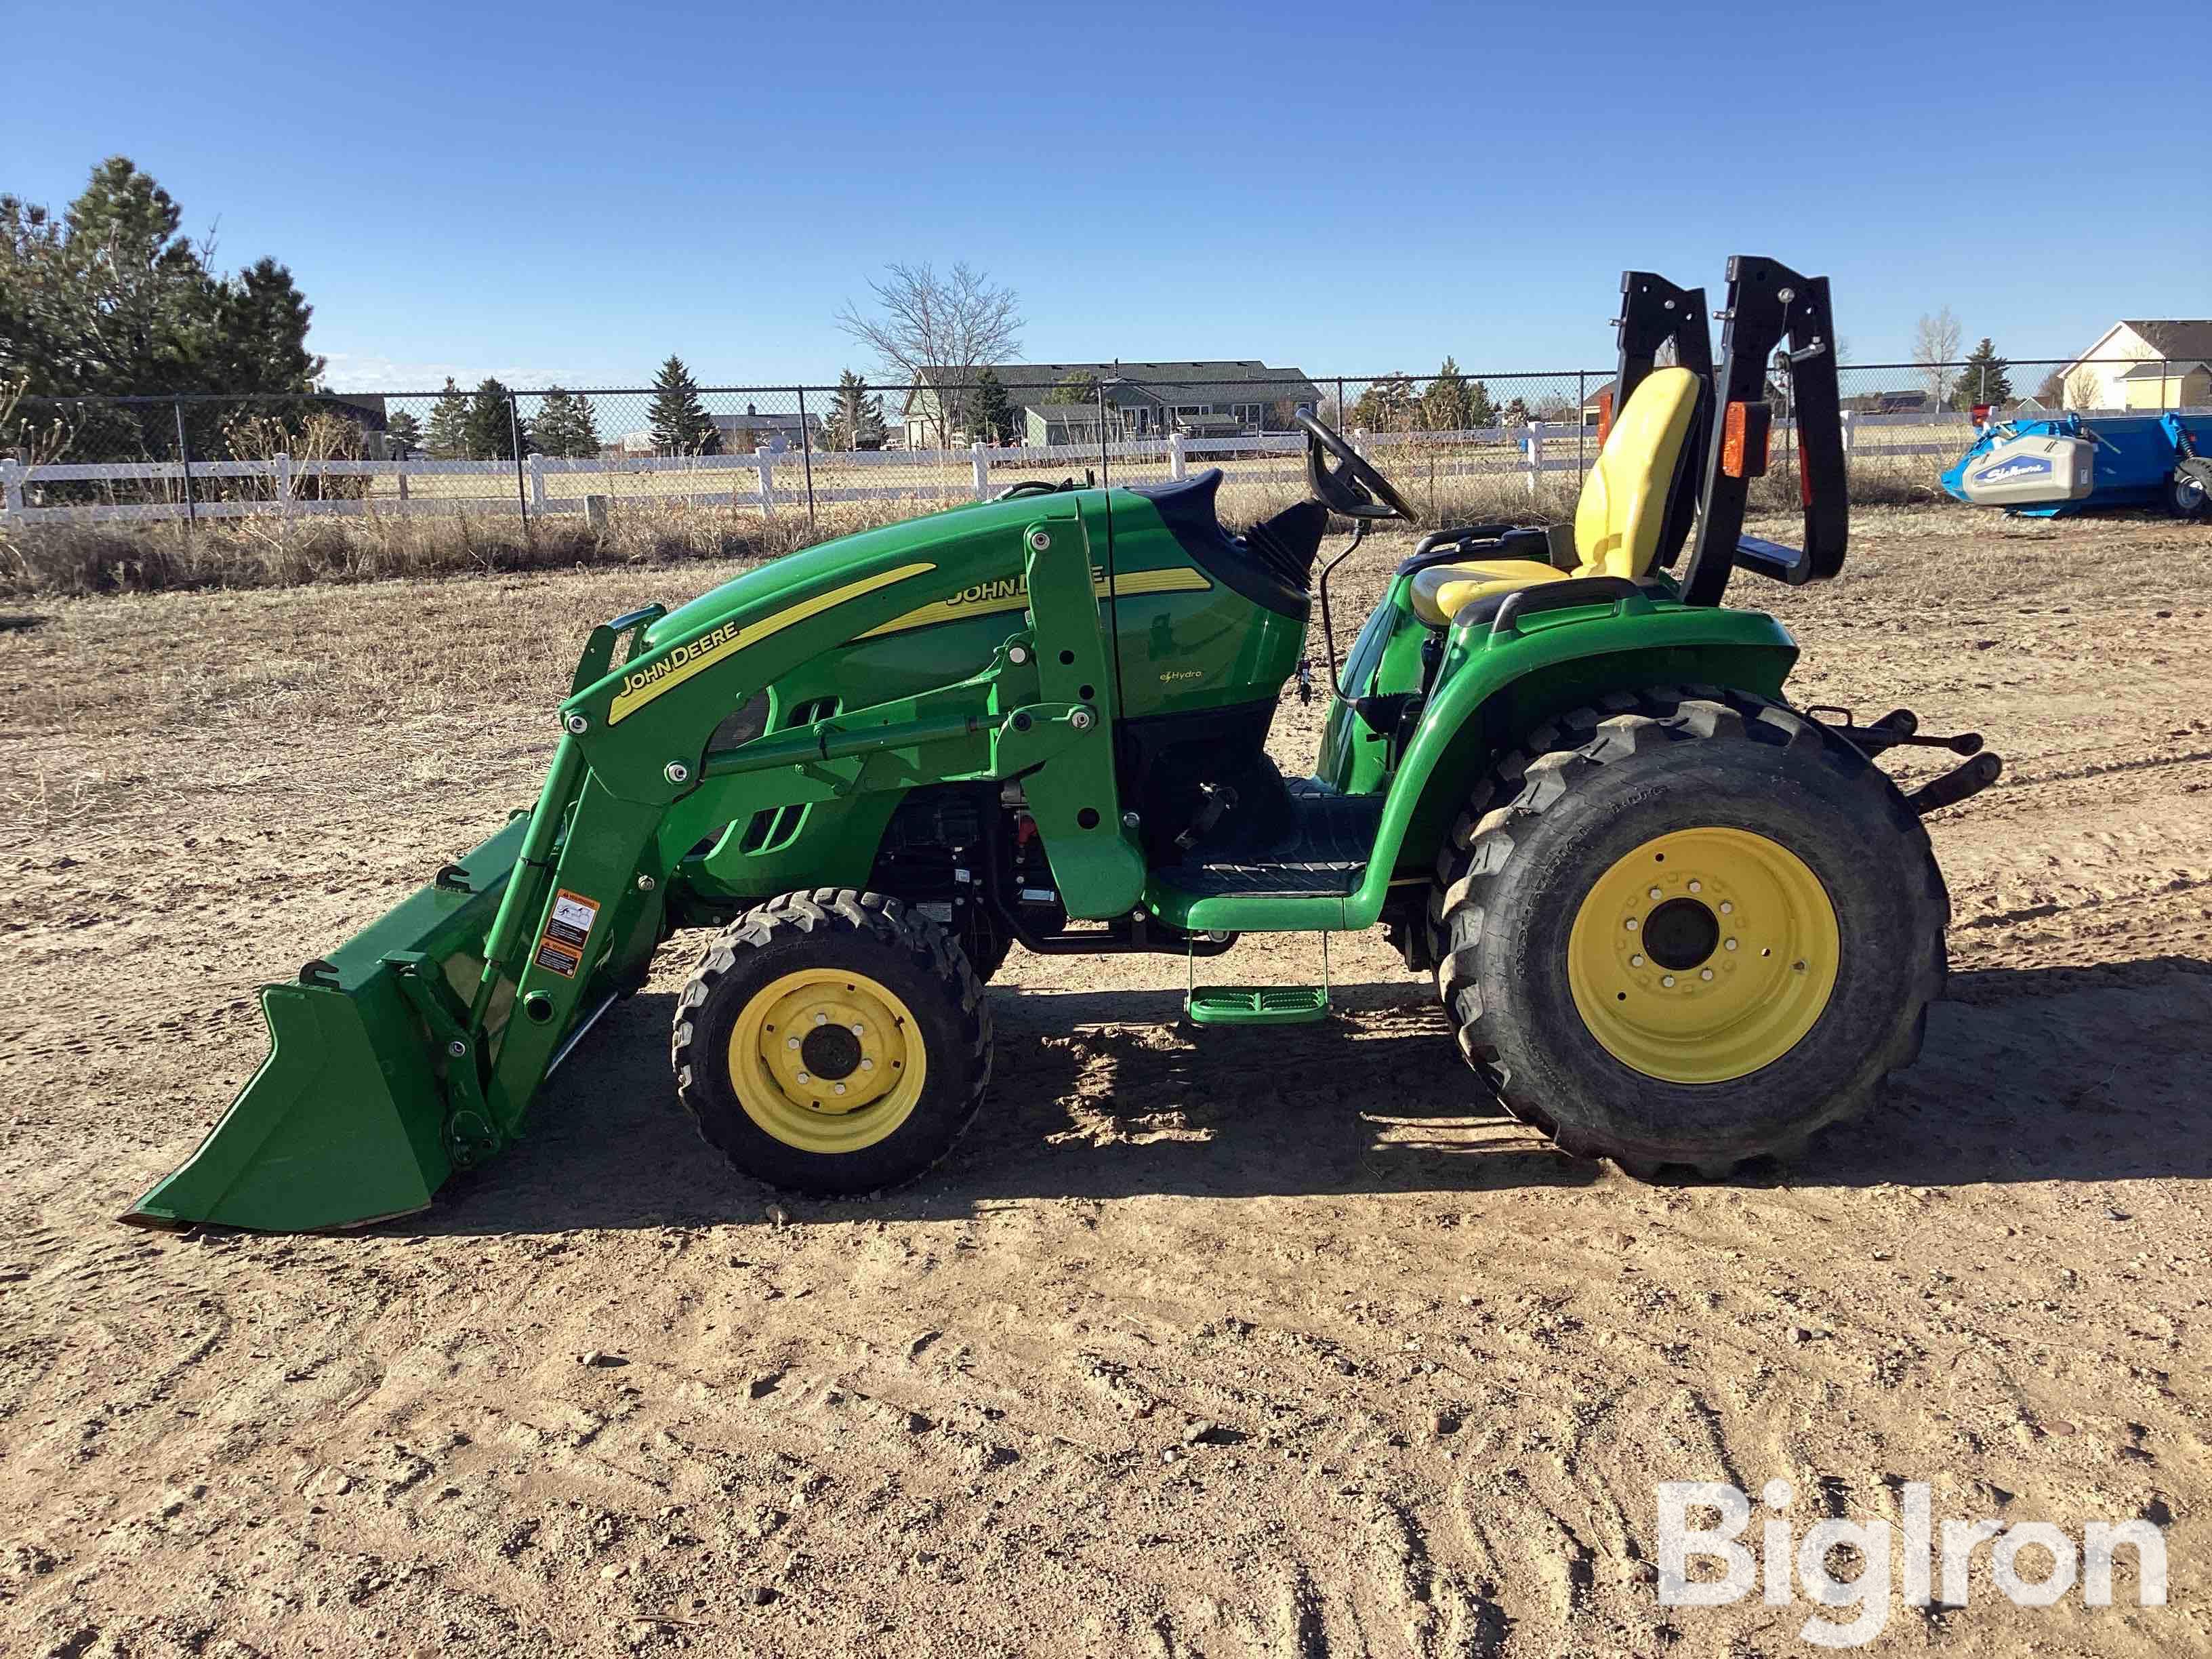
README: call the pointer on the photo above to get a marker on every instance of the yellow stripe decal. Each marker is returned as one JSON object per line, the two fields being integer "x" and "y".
{"x": 1011, "y": 594}
{"x": 666, "y": 673}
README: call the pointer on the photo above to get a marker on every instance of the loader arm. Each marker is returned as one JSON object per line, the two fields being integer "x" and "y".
{"x": 420, "y": 1048}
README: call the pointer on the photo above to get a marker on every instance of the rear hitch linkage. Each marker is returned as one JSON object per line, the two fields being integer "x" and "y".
{"x": 1901, "y": 728}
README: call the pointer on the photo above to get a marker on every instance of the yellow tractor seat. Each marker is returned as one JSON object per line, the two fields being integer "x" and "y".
{"x": 1442, "y": 591}
{"x": 1618, "y": 521}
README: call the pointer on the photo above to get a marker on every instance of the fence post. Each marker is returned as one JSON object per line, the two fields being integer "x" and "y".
{"x": 184, "y": 455}
{"x": 1178, "y": 455}
{"x": 514, "y": 442}
{"x": 2162, "y": 371}
{"x": 982, "y": 470}
{"x": 1105, "y": 469}
{"x": 807, "y": 457}
{"x": 537, "y": 481}
{"x": 284, "y": 485}
{"x": 765, "y": 459}
{"x": 1846, "y": 418}
{"x": 1581, "y": 402}
{"x": 403, "y": 483}
{"x": 11, "y": 483}
{"x": 1535, "y": 451}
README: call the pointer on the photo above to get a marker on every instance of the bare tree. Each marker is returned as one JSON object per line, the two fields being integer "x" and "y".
{"x": 2085, "y": 390}
{"x": 938, "y": 330}
{"x": 1935, "y": 344}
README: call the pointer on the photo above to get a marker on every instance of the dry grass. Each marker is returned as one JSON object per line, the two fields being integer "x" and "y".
{"x": 53, "y": 559}
{"x": 64, "y": 559}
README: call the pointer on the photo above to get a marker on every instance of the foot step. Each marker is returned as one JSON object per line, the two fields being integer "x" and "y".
{"x": 1257, "y": 1005}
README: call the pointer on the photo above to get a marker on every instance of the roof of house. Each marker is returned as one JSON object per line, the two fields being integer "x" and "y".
{"x": 2152, "y": 368}
{"x": 2175, "y": 337}
{"x": 1239, "y": 379}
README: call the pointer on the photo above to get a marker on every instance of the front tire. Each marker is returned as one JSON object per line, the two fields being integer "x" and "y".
{"x": 832, "y": 1042}
{"x": 1696, "y": 931}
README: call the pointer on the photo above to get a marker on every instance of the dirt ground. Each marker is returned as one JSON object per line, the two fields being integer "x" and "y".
{"x": 1270, "y": 1344}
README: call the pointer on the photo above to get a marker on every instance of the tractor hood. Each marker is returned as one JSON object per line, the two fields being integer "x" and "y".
{"x": 863, "y": 553}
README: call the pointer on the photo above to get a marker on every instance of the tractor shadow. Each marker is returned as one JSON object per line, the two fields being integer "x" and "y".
{"x": 2027, "y": 1074}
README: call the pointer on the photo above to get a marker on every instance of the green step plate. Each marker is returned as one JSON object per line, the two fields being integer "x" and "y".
{"x": 1257, "y": 1005}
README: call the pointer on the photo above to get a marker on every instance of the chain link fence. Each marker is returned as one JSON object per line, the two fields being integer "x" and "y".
{"x": 1480, "y": 444}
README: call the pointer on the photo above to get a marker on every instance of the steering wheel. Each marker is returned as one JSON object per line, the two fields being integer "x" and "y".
{"x": 1353, "y": 487}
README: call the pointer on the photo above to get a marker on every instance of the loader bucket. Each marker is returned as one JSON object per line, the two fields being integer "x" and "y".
{"x": 346, "y": 1121}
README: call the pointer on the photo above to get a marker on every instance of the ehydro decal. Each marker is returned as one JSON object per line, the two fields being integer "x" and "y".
{"x": 2025, "y": 466}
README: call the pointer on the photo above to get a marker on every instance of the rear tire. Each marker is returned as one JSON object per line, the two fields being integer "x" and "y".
{"x": 1658, "y": 1029}
{"x": 832, "y": 1042}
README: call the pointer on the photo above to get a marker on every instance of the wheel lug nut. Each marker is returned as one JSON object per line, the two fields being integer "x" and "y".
{"x": 1726, "y": 909}
{"x": 1635, "y": 961}
{"x": 856, "y": 1028}
{"x": 841, "y": 1089}
{"x": 1706, "y": 973}
{"x": 1697, "y": 887}
{"x": 791, "y": 1042}
{"x": 1667, "y": 979}
{"x": 1728, "y": 944}
{"x": 1631, "y": 924}
{"x": 821, "y": 1019}
{"x": 1655, "y": 892}
{"x": 867, "y": 1065}
{"x": 802, "y": 1078}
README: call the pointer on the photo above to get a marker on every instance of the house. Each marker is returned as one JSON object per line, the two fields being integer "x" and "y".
{"x": 1222, "y": 397}
{"x": 744, "y": 434}
{"x": 1910, "y": 401}
{"x": 741, "y": 434}
{"x": 2148, "y": 363}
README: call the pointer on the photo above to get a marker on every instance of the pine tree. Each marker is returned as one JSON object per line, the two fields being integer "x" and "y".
{"x": 1447, "y": 406}
{"x": 447, "y": 436}
{"x": 258, "y": 341}
{"x": 856, "y": 418}
{"x": 564, "y": 425}
{"x": 1984, "y": 380}
{"x": 403, "y": 433}
{"x": 680, "y": 423}
{"x": 1481, "y": 411}
{"x": 109, "y": 298}
{"x": 990, "y": 411}
{"x": 1387, "y": 405}
{"x": 493, "y": 424}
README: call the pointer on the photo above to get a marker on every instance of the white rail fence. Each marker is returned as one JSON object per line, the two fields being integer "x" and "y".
{"x": 787, "y": 479}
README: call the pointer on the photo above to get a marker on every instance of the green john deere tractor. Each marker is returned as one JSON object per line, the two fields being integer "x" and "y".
{"x": 1673, "y": 919}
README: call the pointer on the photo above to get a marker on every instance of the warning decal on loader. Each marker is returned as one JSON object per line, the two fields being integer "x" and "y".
{"x": 555, "y": 960}
{"x": 567, "y": 928}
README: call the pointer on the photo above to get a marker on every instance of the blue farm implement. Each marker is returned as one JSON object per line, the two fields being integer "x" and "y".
{"x": 2064, "y": 464}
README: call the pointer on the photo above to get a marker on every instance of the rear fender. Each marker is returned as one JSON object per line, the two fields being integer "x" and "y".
{"x": 1502, "y": 690}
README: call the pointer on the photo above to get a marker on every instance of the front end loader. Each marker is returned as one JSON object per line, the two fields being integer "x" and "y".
{"x": 1673, "y": 920}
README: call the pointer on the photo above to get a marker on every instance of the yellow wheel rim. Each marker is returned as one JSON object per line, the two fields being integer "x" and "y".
{"x": 827, "y": 1060}
{"x": 1704, "y": 955}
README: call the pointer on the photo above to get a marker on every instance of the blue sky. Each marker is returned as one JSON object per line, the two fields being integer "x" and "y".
{"x": 564, "y": 191}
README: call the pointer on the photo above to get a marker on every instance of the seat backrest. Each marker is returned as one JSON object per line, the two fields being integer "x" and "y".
{"x": 1623, "y": 511}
